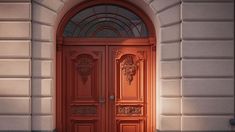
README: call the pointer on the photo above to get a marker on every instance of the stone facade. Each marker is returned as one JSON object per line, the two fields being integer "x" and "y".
{"x": 195, "y": 61}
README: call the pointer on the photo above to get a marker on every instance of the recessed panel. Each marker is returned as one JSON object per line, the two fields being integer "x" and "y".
{"x": 85, "y": 76}
{"x": 84, "y": 126}
{"x": 130, "y": 78}
{"x": 131, "y": 126}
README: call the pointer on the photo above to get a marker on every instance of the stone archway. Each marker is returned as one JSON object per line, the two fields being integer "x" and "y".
{"x": 166, "y": 17}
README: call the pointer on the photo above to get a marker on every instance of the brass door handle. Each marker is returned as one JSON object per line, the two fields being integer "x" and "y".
{"x": 111, "y": 97}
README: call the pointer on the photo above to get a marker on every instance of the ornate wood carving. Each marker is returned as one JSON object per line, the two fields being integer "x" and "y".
{"x": 129, "y": 110}
{"x": 141, "y": 55}
{"x": 129, "y": 67}
{"x": 84, "y": 64}
{"x": 84, "y": 110}
{"x": 117, "y": 53}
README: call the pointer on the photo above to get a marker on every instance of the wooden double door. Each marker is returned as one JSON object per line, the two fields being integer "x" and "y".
{"x": 107, "y": 88}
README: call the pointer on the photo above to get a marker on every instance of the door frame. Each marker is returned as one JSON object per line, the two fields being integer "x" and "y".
{"x": 61, "y": 41}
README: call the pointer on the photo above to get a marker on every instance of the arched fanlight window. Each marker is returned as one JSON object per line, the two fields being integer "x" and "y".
{"x": 105, "y": 21}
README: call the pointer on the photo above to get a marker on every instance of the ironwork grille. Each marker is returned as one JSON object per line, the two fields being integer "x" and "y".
{"x": 105, "y": 21}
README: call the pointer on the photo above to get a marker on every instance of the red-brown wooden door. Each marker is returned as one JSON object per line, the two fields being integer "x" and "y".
{"x": 107, "y": 88}
{"x": 129, "y": 71}
{"x": 84, "y": 81}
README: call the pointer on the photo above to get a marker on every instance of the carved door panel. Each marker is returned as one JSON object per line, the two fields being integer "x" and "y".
{"x": 84, "y": 87}
{"x": 129, "y": 71}
{"x": 106, "y": 88}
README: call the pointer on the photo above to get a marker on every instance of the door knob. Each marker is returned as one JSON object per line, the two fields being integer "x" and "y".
{"x": 111, "y": 97}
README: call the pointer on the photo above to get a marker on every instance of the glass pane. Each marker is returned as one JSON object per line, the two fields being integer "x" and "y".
{"x": 105, "y": 21}
{"x": 68, "y": 31}
{"x": 82, "y": 15}
{"x": 107, "y": 33}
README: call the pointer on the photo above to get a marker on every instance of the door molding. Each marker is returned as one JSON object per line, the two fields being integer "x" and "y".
{"x": 61, "y": 41}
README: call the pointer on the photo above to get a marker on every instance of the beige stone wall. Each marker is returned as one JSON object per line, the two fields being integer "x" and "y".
{"x": 15, "y": 65}
{"x": 197, "y": 66}
{"x": 195, "y": 50}
{"x": 207, "y": 65}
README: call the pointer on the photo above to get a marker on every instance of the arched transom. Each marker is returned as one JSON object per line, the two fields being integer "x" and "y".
{"x": 105, "y": 21}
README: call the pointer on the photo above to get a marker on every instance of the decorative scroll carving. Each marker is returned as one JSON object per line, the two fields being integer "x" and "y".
{"x": 142, "y": 55}
{"x": 117, "y": 53}
{"x": 84, "y": 110}
{"x": 84, "y": 64}
{"x": 129, "y": 67}
{"x": 129, "y": 110}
